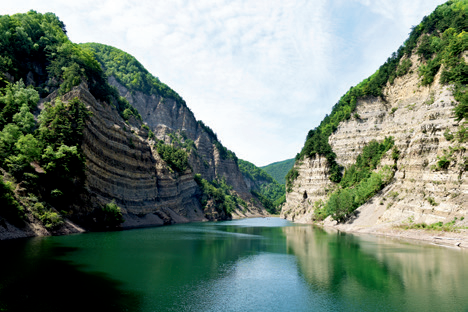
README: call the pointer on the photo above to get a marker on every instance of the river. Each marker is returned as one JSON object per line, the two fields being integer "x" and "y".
{"x": 265, "y": 264}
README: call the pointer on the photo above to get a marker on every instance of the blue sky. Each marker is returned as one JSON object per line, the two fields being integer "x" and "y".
{"x": 260, "y": 73}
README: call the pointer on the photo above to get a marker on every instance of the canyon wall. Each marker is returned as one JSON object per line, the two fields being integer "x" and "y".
{"x": 421, "y": 120}
{"x": 166, "y": 118}
{"x": 122, "y": 166}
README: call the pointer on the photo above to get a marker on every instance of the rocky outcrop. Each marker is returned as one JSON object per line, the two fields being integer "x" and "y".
{"x": 167, "y": 117}
{"x": 420, "y": 119}
{"x": 310, "y": 187}
{"x": 121, "y": 166}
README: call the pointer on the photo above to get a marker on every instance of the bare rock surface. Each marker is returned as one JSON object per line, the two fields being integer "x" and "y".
{"x": 417, "y": 118}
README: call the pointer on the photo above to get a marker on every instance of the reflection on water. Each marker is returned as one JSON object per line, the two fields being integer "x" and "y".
{"x": 368, "y": 271}
{"x": 244, "y": 265}
{"x": 33, "y": 278}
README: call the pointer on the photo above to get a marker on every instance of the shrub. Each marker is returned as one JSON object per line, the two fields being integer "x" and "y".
{"x": 50, "y": 219}
{"x": 9, "y": 206}
{"x": 176, "y": 158}
{"x": 448, "y": 135}
{"x": 112, "y": 215}
{"x": 432, "y": 201}
{"x": 443, "y": 162}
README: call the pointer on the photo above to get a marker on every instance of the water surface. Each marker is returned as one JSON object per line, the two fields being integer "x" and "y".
{"x": 265, "y": 264}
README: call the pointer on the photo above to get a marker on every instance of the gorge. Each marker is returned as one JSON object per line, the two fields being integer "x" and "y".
{"x": 115, "y": 197}
{"x": 138, "y": 156}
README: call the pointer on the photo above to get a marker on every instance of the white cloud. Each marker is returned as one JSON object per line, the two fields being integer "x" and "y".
{"x": 260, "y": 73}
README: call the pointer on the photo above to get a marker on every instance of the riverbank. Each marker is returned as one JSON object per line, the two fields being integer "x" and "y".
{"x": 457, "y": 239}
{"x": 34, "y": 228}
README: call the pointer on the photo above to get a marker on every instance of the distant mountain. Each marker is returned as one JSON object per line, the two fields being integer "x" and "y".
{"x": 279, "y": 169}
{"x": 262, "y": 186}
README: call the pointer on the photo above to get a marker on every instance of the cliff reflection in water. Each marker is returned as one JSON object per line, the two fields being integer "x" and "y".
{"x": 406, "y": 276}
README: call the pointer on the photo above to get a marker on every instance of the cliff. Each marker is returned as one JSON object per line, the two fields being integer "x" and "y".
{"x": 165, "y": 117}
{"x": 417, "y": 117}
{"x": 174, "y": 123}
{"x": 393, "y": 151}
{"x": 78, "y": 146}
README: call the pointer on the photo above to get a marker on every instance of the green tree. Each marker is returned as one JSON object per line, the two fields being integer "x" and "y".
{"x": 9, "y": 206}
{"x": 176, "y": 158}
{"x": 8, "y": 136}
{"x": 24, "y": 119}
{"x": 27, "y": 149}
{"x": 15, "y": 96}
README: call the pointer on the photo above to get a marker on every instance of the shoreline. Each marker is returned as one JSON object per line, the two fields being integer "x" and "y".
{"x": 432, "y": 237}
{"x": 35, "y": 229}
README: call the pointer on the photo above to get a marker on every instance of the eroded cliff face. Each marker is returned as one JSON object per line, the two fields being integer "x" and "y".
{"x": 417, "y": 118}
{"x": 166, "y": 117}
{"x": 122, "y": 166}
{"x": 309, "y": 187}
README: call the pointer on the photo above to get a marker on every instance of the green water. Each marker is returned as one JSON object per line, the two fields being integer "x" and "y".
{"x": 245, "y": 265}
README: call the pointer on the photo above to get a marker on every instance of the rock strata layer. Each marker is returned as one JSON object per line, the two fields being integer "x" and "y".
{"x": 121, "y": 166}
{"x": 419, "y": 119}
{"x": 168, "y": 118}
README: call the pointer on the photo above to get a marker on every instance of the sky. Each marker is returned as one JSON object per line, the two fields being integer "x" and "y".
{"x": 260, "y": 73}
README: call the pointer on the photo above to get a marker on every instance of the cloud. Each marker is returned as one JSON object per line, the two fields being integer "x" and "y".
{"x": 260, "y": 73}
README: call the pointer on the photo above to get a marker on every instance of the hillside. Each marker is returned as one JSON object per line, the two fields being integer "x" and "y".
{"x": 278, "y": 170}
{"x": 393, "y": 149}
{"x": 84, "y": 147}
{"x": 263, "y": 186}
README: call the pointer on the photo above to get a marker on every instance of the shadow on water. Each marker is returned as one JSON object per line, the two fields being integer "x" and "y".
{"x": 33, "y": 277}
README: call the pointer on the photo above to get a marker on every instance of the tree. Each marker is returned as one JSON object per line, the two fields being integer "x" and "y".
{"x": 24, "y": 119}
{"x": 15, "y": 97}
{"x": 8, "y": 136}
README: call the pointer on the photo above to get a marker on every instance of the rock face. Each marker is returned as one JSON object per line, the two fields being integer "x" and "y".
{"x": 166, "y": 117}
{"x": 420, "y": 119}
{"x": 309, "y": 187}
{"x": 122, "y": 166}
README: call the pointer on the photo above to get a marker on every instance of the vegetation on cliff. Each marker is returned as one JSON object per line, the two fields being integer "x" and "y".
{"x": 360, "y": 182}
{"x": 264, "y": 187}
{"x": 10, "y": 208}
{"x": 219, "y": 195}
{"x": 176, "y": 158}
{"x": 129, "y": 72}
{"x": 224, "y": 152}
{"x": 41, "y": 157}
{"x": 133, "y": 76}
{"x": 41, "y": 162}
{"x": 439, "y": 40}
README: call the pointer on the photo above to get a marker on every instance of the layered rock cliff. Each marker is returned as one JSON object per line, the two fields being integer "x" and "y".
{"x": 140, "y": 148}
{"x": 165, "y": 117}
{"x": 122, "y": 166}
{"x": 421, "y": 121}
